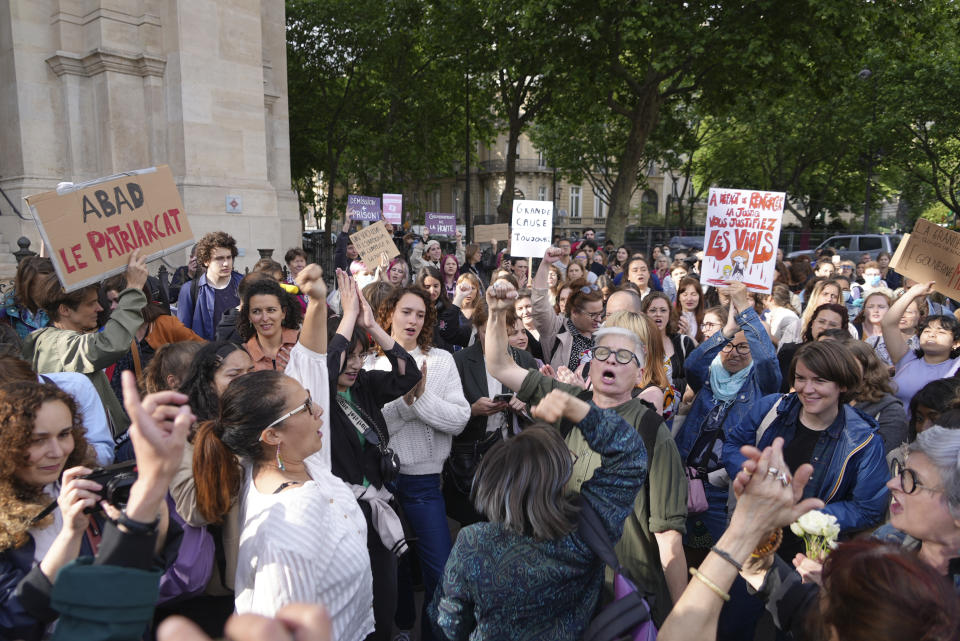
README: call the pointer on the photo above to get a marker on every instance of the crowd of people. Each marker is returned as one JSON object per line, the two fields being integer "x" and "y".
{"x": 284, "y": 452}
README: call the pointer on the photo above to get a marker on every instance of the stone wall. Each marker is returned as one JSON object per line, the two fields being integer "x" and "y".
{"x": 89, "y": 88}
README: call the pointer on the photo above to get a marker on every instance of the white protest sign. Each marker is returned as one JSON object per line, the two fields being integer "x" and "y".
{"x": 742, "y": 235}
{"x": 532, "y": 229}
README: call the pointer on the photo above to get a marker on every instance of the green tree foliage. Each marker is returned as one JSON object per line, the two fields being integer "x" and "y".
{"x": 916, "y": 79}
{"x": 375, "y": 104}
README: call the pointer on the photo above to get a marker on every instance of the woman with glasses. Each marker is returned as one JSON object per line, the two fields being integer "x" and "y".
{"x": 565, "y": 339}
{"x": 651, "y": 549}
{"x": 207, "y": 488}
{"x": 713, "y": 319}
{"x": 359, "y": 438}
{"x": 729, "y": 372}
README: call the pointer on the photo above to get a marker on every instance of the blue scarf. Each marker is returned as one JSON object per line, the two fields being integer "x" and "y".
{"x": 726, "y": 386}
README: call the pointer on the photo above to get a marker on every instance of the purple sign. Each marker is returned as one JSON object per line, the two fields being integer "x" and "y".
{"x": 441, "y": 224}
{"x": 392, "y": 208}
{"x": 363, "y": 207}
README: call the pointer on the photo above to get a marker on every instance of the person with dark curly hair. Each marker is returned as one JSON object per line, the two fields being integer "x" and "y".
{"x": 205, "y": 299}
{"x": 44, "y": 457}
{"x": 269, "y": 322}
{"x": 422, "y": 424}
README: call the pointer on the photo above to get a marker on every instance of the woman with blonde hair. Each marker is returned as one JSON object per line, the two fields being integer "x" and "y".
{"x": 654, "y": 386}
{"x": 827, "y": 291}
{"x": 473, "y": 300}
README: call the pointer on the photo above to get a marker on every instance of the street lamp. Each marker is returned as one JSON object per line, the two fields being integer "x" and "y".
{"x": 865, "y": 74}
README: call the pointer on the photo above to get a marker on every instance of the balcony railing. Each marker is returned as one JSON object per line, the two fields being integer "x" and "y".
{"x": 530, "y": 165}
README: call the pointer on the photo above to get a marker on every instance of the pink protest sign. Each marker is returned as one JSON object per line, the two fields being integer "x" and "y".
{"x": 393, "y": 208}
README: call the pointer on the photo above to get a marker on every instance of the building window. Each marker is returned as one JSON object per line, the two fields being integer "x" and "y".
{"x": 575, "y": 202}
{"x": 435, "y": 198}
{"x": 541, "y": 161}
{"x": 541, "y": 192}
{"x": 599, "y": 207}
{"x": 651, "y": 169}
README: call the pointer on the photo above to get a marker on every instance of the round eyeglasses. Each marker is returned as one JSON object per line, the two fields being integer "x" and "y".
{"x": 623, "y": 356}
{"x": 909, "y": 482}
{"x": 742, "y": 348}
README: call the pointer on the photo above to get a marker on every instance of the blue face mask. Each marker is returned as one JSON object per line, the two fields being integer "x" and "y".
{"x": 846, "y": 296}
{"x": 874, "y": 281}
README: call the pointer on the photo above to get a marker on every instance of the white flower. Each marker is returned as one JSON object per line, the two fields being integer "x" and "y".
{"x": 813, "y": 522}
{"x": 796, "y": 529}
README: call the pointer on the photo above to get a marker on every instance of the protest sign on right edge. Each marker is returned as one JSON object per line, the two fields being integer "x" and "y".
{"x": 930, "y": 252}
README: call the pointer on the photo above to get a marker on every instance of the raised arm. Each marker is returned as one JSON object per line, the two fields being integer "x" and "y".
{"x": 623, "y": 457}
{"x": 890, "y": 324}
{"x": 350, "y": 304}
{"x": 500, "y": 365}
{"x": 313, "y": 336}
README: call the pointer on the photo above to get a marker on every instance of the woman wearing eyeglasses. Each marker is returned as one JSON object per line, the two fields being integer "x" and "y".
{"x": 565, "y": 340}
{"x": 359, "y": 439}
{"x": 303, "y": 536}
{"x": 651, "y": 548}
{"x": 730, "y": 372}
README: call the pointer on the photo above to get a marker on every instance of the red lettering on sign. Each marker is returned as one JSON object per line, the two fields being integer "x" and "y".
{"x": 719, "y": 245}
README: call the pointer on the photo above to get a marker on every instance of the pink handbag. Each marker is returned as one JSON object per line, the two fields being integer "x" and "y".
{"x": 696, "y": 495}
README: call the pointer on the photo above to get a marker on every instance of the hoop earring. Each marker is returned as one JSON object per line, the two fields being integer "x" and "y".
{"x": 280, "y": 465}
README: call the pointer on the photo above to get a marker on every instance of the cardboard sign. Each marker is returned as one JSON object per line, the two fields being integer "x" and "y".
{"x": 741, "y": 239}
{"x": 92, "y": 228}
{"x": 930, "y": 253}
{"x": 373, "y": 241}
{"x": 363, "y": 207}
{"x": 441, "y": 224}
{"x": 490, "y": 233}
{"x": 532, "y": 230}
{"x": 393, "y": 208}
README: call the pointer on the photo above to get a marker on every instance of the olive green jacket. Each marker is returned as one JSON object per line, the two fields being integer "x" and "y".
{"x": 64, "y": 350}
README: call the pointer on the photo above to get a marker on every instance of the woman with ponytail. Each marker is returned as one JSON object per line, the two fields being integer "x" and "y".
{"x": 303, "y": 536}
{"x": 208, "y": 484}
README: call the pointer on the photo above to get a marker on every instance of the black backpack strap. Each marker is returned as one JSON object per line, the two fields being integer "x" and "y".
{"x": 556, "y": 343}
{"x": 591, "y": 530}
{"x": 194, "y": 288}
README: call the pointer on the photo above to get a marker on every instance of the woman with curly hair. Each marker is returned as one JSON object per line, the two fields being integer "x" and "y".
{"x": 45, "y": 457}
{"x": 422, "y": 424}
{"x": 269, "y": 322}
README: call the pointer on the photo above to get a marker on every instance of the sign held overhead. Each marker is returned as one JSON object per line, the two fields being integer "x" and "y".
{"x": 93, "y": 227}
{"x": 532, "y": 230}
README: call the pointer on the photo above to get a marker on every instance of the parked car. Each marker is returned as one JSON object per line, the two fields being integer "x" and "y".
{"x": 853, "y": 246}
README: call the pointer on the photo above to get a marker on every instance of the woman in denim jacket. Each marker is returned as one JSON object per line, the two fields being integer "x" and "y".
{"x": 730, "y": 372}
{"x": 820, "y": 428}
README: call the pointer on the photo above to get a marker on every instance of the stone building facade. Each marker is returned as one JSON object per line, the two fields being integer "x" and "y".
{"x": 90, "y": 88}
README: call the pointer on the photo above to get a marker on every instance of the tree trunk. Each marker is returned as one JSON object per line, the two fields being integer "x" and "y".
{"x": 644, "y": 119}
{"x": 505, "y": 207}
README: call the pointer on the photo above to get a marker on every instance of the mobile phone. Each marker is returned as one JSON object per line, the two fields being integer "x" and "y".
{"x": 503, "y": 398}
